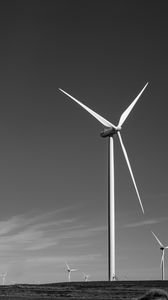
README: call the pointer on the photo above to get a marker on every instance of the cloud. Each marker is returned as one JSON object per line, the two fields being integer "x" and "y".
{"x": 146, "y": 222}
{"x": 38, "y": 244}
{"x": 82, "y": 231}
{"x": 29, "y": 233}
{"x": 37, "y": 220}
{"x": 61, "y": 259}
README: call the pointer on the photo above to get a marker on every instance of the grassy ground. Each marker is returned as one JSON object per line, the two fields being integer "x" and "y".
{"x": 122, "y": 290}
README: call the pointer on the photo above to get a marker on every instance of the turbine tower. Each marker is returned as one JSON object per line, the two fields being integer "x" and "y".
{"x": 110, "y": 131}
{"x": 162, "y": 248}
{"x": 3, "y": 275}
{"x": 69, "y": 270}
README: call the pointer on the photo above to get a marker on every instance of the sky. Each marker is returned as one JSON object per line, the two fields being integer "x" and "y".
{"x": 53, "y": 162}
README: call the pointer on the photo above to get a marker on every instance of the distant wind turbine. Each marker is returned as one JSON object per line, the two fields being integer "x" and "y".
{"x": 3, "y": 275}
{"x": 162, "y": 248}
{"x": 109, "y": 132}
{"x": 69, "y": 270}
{"x": 86, "y": 276}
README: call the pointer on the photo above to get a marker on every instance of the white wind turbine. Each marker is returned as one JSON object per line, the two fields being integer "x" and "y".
{"x": 69, "y": 270}
{"x": 86, "y": 277}
{"x": 162, "y": 248}
{"x": 3, "y": 275}
{"x": 109, "y": 132}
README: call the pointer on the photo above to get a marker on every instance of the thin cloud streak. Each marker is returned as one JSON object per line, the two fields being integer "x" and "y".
{"x": 32, "y": 242}
{"x": 23, "y": 234}
{"x": 62, "y": 259}
{"x": 146, "y": 223}
{"x": 28, "y": 219}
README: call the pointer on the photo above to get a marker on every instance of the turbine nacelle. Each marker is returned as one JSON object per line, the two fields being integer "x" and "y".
{"x": 109, "y": 131}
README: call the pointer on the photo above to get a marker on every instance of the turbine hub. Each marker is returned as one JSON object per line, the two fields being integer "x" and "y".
{"x": 161, "y": 248}
{"x": 109, "y": 132}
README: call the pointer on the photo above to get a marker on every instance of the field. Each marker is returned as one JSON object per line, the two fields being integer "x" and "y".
{"x": 122, "y": 290}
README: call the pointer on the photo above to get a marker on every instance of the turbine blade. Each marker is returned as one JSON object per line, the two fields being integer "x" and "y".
{"x": 74, "y": 270}
{"x": 157, "y": 239}
{"x": 129, "y": 108}
{"x": 93, "y": 113}
{"x": 129, "y": 167}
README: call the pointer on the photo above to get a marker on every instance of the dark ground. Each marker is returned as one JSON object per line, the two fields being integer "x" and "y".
{"x": 122, "y": 290}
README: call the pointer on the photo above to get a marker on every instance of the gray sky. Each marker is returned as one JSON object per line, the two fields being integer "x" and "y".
{"x": 53, "y": 175}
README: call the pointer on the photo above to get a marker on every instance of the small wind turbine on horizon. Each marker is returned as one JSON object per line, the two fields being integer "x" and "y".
{"x": 86, "y": 277}
{"x": 162, "y": 248}
{"x": 109, "y": 132}
{"x": 69, "y": 270}
{"x": 3, "y": 275}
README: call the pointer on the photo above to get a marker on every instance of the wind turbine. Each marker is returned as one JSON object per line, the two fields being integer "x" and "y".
{"x": 162, "y": 248}
{"x": 69, "y": 270}
{"x": 86, "y": 277}
{"x": 3, "y": 275}
{"x": 109, "y": 132}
